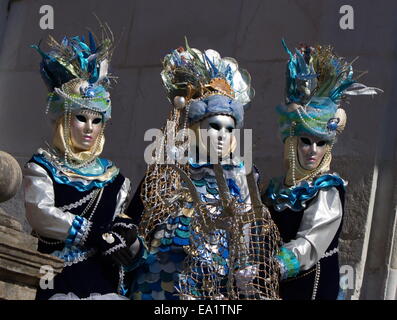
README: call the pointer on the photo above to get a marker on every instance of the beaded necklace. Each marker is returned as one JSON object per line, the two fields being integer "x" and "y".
{"x": 97, "y": 196}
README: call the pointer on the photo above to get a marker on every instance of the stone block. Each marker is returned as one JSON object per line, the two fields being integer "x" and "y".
{"x": 22, "y": 266}
{"x": 20, "y": 262}
{"x": 8, "y": 222}
{"x": 12, "y": 291}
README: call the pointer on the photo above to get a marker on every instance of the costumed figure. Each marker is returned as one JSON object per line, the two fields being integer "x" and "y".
{"x": 307, "y": 204}
{"x": 207, "y": 233}
{"x": 74, "y": 199}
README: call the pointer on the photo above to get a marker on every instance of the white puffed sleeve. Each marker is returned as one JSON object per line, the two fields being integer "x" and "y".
{"x": 318, "y": 227}
{"x": 47, "y": 220}
{"x": 123, "y": 197}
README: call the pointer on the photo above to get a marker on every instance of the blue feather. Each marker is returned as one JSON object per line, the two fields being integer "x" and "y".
{"x": 302, "y": 66}
{"x": 229, "y": 75}
{"x": 84, "y": 47}
{"x": 214, "y": 70}
{"x": 41, "y": 52}
{"x": 286, "y": 49}
{"x": 65, "y": 42}
{"x": 92, "y": 42}
{"x": 175, "y": 57}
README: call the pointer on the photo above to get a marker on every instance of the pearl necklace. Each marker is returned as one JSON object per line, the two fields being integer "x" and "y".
{"x": 307, "y": 125}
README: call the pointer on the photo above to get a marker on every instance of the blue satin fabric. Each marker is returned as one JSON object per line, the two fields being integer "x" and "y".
{"x": 73, "y": 254}
{"x": 78, "y": 224}
{"x": 79, "y": 185}
{"x": 296, "y": 197}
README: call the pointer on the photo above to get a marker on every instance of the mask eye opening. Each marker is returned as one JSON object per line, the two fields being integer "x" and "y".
{"x": 97, "y": 120}
{"x": 305, "y": 141}
{"x": 81, "y": 118}
{"x": 215, "y": 126}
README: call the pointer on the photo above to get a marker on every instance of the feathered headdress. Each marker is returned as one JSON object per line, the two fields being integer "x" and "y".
{"x": 207, "y": 83}
{"x": 76, "y": 73}
{"x": 317, "y": 80}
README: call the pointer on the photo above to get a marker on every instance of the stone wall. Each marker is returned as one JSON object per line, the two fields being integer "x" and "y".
{"x": 250, "y": 31}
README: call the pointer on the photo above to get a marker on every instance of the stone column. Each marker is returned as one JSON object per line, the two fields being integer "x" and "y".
{"x": 391, "y": 281}
{"x": 20, "y": 262}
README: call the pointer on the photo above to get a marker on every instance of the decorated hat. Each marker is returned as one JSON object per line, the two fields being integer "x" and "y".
{"x": 206, "y": 83}
{"x": 317, "y": 81}
{"x": 76, "y": 73}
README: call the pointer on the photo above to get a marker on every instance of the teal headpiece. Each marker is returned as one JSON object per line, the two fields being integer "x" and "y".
{"x": 317, "y": 80}
{"x": 76, "y": 74}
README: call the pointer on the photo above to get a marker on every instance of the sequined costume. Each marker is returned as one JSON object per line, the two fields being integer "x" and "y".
{"x": 159, "y": 278}
{"x": 308, "y": 204}
{"x": 74, "y": 199}
{"x": 201, "y": 242}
